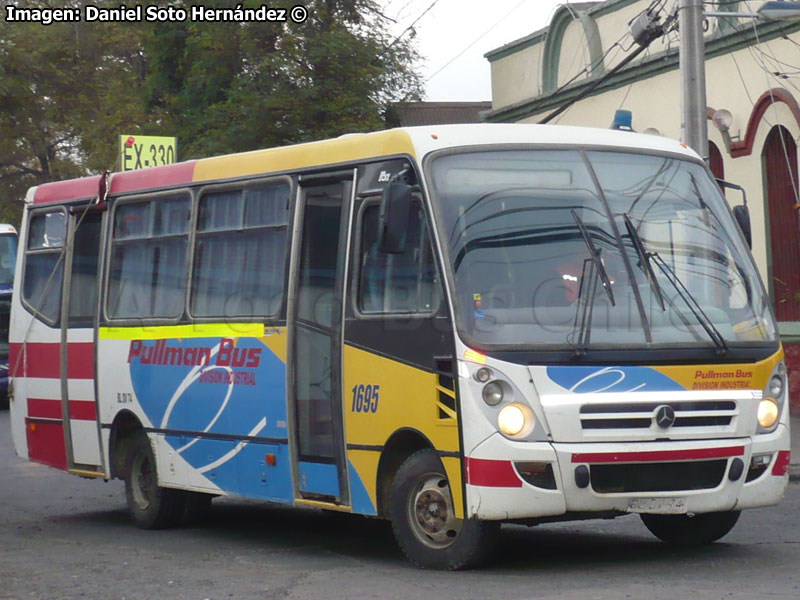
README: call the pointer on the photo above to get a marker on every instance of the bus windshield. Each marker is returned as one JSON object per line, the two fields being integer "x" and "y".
{"x": 571, "y": 249}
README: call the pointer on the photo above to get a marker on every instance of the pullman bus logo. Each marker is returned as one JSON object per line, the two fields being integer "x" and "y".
{"x": 162, "y": 354}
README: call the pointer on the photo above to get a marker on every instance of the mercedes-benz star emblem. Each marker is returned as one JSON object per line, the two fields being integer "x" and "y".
{"x": 664, "y": 416}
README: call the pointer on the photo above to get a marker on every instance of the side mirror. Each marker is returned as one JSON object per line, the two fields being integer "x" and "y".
{"x": 393, "y": 219}
{"x": 740, "y": 213}
{"x": 742, "y": 216}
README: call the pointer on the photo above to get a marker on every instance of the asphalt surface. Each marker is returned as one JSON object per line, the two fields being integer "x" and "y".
{"x": 64, "y": 537}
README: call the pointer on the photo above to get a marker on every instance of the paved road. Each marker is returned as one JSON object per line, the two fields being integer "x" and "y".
{"x": 64, "y": 537}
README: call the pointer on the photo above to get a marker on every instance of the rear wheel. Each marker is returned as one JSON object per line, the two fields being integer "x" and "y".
{"x": 151, "y": 506}
{"x": 697, "y": 530}
{"x": 424, "y": 520}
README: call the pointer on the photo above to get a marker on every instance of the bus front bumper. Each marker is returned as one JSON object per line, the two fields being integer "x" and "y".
{"x": 667, "y": 477}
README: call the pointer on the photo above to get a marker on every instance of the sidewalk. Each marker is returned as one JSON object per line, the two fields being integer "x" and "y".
{"x": 794, "y": 464}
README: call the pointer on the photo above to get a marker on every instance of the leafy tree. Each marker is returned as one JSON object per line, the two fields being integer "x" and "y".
{"x": 233, "y": 87}
{"x": 68, "y": 90}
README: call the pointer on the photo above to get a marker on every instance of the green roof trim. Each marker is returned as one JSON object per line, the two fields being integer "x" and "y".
{"x": 594, "y": 9}
{"x": 564, "y": 16}
{"x": 722, "y": 43}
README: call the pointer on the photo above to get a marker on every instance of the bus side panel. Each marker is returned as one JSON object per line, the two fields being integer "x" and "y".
{"x": 214, "y": 395}
{"x": 381, "y": 396}
{"x": 35, "y": 365}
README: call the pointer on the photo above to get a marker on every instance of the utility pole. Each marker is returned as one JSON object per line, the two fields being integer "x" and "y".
{"x": 692, "y": 59}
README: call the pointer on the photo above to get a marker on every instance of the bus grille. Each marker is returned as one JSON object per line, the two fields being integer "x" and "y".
{"x": 639, "y": 415}
{"x": 657, "y": 477}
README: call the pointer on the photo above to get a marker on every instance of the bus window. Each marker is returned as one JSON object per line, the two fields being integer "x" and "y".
{"x": 397, "y": 283}
{"x": 240, "y": 252}
{"x": 44, "y": 267}
{"x": 83, "y": 277}
{"x": 148, "y": 258}
{"x": 8, "y": 258}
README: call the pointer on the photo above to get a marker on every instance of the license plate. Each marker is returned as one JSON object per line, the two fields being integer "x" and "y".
{"x": 663, "y": 506}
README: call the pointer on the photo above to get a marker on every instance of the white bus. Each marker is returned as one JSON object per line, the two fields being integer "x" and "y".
{"x": 449, "y": 327}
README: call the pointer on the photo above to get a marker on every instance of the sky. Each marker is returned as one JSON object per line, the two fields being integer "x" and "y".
{"x": 462, "y": 31}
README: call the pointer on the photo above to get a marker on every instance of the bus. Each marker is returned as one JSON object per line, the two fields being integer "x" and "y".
{"x": 449, "y": 327}
{"x": 8, "y": 260}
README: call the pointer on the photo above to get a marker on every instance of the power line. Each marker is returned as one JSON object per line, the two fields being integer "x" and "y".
{"x": 475, "y": 41}
{"x": 407, "y": 29}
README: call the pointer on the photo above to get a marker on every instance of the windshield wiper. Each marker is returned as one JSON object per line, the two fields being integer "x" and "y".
{"x": 592, "y": 269}
{"x": 584, "y": 309}
{"x": 644, "y": 260}
{"x": 594, "y": 254}
{"x": 699, "y": 314}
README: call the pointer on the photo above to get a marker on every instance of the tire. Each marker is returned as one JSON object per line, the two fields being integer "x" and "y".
{"x": 683, "y": 530}
{"x": 424, "y": 523}
{"x": 151, "y": 506}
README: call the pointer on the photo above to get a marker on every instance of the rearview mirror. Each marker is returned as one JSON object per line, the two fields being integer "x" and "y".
{"x": 740, "y": 213}
{"x": 742, "y": 216}
{"x": 393, "y": 219}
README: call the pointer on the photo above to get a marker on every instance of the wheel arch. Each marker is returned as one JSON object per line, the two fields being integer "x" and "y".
{"x": 400, "y": 445}
{"x": 125, "y": 425}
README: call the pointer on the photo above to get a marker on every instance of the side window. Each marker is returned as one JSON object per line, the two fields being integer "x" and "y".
{"x": 44, "y": 264}
{"x": 397, "y": 283}
{"x": 240, "y": 251}
{"x": 148, "y": 258}
{"x": 83, "y": 274}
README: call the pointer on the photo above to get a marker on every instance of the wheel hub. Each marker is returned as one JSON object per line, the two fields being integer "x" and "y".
{"x": 434, "y": 522}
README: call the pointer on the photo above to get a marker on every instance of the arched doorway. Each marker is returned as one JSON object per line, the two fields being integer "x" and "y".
{"x": 780, "y": 169}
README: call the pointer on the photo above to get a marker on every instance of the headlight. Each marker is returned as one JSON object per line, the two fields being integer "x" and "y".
{"x": 775, "y": 386}
{"x": 516, "y": 420}
{"x": 768, "y": 412}
{"x": 492, "y": 393}
{"x": 483, "y": 374}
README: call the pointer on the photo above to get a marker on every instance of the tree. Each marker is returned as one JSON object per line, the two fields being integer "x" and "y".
{"x": 68, "y": 90}
{"x": 65, "y": 91}
{"x": 232, "y": 87}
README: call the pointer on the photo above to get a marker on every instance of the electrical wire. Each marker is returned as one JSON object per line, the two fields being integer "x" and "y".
{"x": 410, "y": 27}
{"x": 475, "y": 41}
{"x": 781, "y": 128}
{"x": 588, "y": 90}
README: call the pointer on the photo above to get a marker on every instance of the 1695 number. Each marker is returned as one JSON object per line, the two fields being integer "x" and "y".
{"x": 365, "y": 398}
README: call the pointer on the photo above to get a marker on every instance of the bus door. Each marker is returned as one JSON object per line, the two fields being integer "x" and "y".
{"x": 315, "y": 322}
{"x": 79, "y": 307}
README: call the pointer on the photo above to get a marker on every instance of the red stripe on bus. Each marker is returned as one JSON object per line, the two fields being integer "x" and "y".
{"x": 43, "y": 359}
{"x": 781, "y": 466}
{"x": 79, "y": 410}
{"x": 46, "y": 443}
{"x": 492, "y": 473}
{"x": 39, "y": 408}
{"x": 657, "y": 455}
{"x": 130, "y": 181}
{"x": 64, "y": 191}
{"x": 16, "y": 360}
{"x": 82, "y": 410}
{"x": 80, "y": 360}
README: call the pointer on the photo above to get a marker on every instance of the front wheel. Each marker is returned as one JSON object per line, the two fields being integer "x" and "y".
{"x": 424, "y": 520}
{"x": 151, "y": 506}
{"x": 685, "y": 530}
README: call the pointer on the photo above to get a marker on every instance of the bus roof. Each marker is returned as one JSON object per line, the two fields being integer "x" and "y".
{"x": 7, "y": 228}
{"x": 413, "y": 141}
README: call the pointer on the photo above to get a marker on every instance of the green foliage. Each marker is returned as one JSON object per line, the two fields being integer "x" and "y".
{"x": 68, "y": 90}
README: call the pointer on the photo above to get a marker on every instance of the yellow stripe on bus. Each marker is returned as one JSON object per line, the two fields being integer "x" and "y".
{"x": 194, "y": 330}
{"x": 313, "y": 154}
